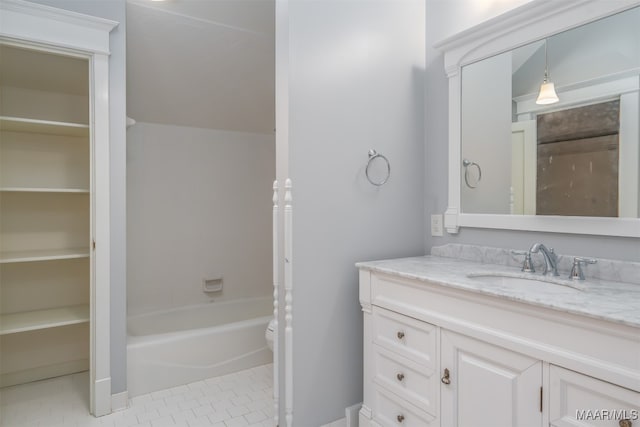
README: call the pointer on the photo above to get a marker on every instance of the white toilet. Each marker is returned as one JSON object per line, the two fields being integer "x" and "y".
{"x": 268, "y": 334}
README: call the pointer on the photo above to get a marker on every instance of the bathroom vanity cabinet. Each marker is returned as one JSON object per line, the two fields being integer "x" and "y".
{"x": 488, "y": 382}
{"x": 440, "y": 352}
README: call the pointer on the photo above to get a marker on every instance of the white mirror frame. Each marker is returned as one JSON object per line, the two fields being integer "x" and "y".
{"x": 533, "y": 21}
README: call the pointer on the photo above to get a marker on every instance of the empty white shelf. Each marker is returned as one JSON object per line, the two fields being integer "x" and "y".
{"x": 43, "y": 319}
{"x": 44, "y": 190}
{"x": 20, "y": 124}
{"x": 43, "y": 255}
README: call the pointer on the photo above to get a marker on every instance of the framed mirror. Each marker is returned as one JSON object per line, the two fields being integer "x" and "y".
{"x": 544, "y": 108}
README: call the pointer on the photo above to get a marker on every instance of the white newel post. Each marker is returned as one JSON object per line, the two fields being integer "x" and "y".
{"x": 288, "y": 306}
{"x": 276, "y": 390}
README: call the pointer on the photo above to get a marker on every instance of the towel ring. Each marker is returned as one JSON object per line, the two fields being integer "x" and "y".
{"x": 373, "y": 154}
{"x": 467, "y": 164}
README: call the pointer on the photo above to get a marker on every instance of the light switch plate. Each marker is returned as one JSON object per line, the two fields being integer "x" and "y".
{"x": 436, "y": 225}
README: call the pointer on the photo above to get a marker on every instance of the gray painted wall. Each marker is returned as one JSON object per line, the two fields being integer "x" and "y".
{"x": 355, "y": 82}
{"x": 444, "y": 19}
{"x": 114, "y": 10}
{"x": 213, "y": 209}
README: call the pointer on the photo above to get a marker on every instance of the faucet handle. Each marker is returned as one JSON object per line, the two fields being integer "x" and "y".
{"x": 527, "y": 265}
{"x": 576, "y": 270}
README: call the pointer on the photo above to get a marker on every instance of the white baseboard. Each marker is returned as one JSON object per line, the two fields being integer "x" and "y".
{"x": 119, "y": 401}
{"x": 351, "y": 419}
{"x": 338, "y": 423}
{"x": 352, "y": 415}
{"x": 102, "y": 397}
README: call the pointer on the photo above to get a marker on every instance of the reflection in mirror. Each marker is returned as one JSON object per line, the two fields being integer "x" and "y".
{"x": 579, "y": 156}
{"x": 578, "y": 142}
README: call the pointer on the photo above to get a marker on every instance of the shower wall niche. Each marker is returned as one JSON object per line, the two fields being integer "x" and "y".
{"x": 45, "y": 214}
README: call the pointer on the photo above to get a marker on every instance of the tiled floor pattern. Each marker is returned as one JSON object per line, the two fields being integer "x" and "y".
{"x": 235, "y": 400}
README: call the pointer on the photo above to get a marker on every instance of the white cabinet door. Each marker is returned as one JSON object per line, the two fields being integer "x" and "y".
{"x": 580, "y": 400}
{"x": 489, "y": 386}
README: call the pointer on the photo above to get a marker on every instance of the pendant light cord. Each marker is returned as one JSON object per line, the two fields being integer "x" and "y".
{"x": 546, "y": 62}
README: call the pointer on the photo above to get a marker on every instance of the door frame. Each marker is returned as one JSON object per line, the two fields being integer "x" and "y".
{"x": 526, "y": 158}
{"x": 65, "y": 32}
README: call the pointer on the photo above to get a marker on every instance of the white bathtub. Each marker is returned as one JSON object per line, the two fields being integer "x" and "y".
{"x": 179, "y": 346}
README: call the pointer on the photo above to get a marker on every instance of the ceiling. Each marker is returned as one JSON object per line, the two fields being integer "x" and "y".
{"x": 202, "y": 63}
{"x": 606, "y": 47}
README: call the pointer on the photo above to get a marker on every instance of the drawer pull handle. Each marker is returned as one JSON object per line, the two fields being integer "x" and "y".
{"x": 625, "y": 423}
{"x": 400, "y": 376}
{"x": 445, "y": 379}
{"x": 400, "y": 335}
{"x": 400, "y": 418}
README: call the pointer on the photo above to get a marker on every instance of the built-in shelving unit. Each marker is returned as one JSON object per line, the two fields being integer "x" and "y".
{"x": 43, "y": 255}
{"x": 54, "y": 169}
{"x": 45, "y": 213}
{"x": 42, "y": 319}
{"x": 47, "y": 127}
{"x": 43, "y": 190}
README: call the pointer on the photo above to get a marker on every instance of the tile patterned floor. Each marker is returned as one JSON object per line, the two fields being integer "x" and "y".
{"x": 240, "y": 399}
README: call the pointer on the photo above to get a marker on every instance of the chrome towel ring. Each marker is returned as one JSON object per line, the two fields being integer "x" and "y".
{"x": 467, "y": 164}
{"x": 373, "y": 154}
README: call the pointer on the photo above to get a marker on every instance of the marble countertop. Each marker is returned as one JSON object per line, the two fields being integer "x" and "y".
{"x": 612, "y": 301}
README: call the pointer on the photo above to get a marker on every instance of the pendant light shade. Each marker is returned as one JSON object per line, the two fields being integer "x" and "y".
{"x": 547, "y": 93}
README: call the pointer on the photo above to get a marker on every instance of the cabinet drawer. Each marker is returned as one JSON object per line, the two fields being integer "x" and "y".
{"x": 577, "y": 399}
{"x": 406, "y": 336}
{"x": 410, "y": 381}
{"x": 391, "y": 410}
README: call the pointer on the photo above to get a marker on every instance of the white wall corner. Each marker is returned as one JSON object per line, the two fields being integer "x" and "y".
{"x": 119, "y": 401}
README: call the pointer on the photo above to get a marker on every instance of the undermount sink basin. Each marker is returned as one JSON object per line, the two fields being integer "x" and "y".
{"x": 542, "y": 283}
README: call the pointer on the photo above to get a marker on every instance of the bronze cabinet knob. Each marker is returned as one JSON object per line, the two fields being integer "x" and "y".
{"x": 445, "y": 379}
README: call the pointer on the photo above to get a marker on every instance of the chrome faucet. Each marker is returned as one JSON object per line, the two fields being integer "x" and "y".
{"x": 550, "y": 258}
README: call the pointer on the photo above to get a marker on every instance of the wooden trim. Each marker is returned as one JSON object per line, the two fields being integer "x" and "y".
{"x": 51, "y": 26}
{"x": 276, "y": 341}
{"x": 101, "y": 289}
{"x": 288, "y": 298}
{"x": 530, "y": 22}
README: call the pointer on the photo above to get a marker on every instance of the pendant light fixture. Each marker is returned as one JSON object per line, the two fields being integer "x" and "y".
{"x": 547, "y": 93}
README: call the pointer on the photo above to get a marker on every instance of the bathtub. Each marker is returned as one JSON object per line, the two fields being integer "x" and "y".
{"x": 179, "y": 346}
